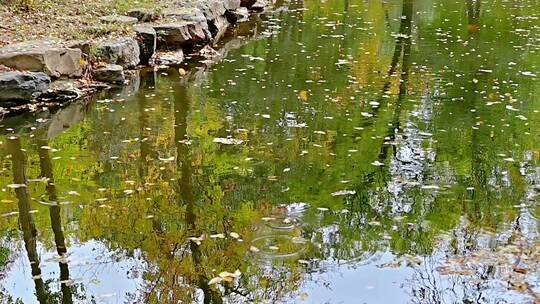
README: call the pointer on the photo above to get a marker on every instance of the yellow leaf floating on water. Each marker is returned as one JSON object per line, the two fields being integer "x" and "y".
{"x": 303, "y": 95}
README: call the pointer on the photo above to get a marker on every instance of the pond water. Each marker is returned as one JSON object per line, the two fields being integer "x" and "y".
{"x": 343, "y": 151}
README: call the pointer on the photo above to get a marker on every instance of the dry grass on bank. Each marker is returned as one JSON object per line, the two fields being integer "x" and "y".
{"x": 66, "y": 19}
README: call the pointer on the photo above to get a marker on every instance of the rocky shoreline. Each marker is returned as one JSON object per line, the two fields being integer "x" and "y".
{"x": 50, "y": 70}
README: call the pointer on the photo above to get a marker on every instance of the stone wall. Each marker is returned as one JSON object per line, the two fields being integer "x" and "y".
{"x": 27, "y": 69}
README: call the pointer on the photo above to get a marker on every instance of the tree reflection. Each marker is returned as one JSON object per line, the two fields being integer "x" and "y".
{"x": 402, "y": 51}
{"x": 56, "y": 219}
{"x": 26, "y": 221}
{"x": 306, "y": 150}
{"x": 184, "y": 188}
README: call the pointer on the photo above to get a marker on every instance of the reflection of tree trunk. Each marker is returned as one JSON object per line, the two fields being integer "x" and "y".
{"x": 183, "y": 162}
{"x": 145, "y": 146}
{"x": 405, "y": 41}
{"x": 403, "y": 47}
{"x": 27, "y": 223}
{"x": 402, "y": 51}
{"x": 185, "y": 187}
{"x": 56, "y": 220}
{"x": 479, "y": 171}
{"x": 473, "y": 16}
{"x": 148, "y": 83}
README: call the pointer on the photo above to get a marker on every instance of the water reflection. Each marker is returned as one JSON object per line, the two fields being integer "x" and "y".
{"x": 25, "y": 218}
{"x": 56, "y": 220}
{"x": 347, "y": 151}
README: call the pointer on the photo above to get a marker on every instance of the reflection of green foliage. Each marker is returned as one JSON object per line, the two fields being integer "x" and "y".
{"x": 4, "y": 256}
{"x": 133, "y": 198}
{"x": 7, "y": 299}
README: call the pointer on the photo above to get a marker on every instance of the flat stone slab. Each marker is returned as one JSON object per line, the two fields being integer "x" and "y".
{"x": 184, "y": 14}
{"x": 48, "y": 56}
{"x": 63, "y": 90}
{"x": 119, "y": 19}
{"x": 111, "y": 73}
{"x": 22, "y": 86}
{"x": 169, "y": 58}
{"x": 210, "y": 8}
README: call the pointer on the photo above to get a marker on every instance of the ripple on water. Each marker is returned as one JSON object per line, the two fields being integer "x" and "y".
{"x": 277, "y": 246}
{"x": 295, "y": 209}
{"x": 288, "y": 216}
{"x": 284, "y": 223}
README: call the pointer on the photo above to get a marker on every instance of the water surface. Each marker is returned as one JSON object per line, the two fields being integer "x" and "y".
{"x": 342, "y": 151}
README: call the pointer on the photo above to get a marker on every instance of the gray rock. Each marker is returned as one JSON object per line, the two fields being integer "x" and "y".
{"x": 238, "y": 15}
{"x": 188, "y": 20}
{"x": 217, "y": 27}
{"x": 147, "y": 38}
{"x": 47, "y": 56}
{"x": 123, "y": 51}
{"x": 169, "y": 58}
{"x": 143, "y": 14}
{"x": 259, "y": 5}
{"x": 180, "y": 34}
{"x": 247, "y": 3}
{"x": 232, "y": 5}
{"x": 22, "y": 86}
{"x": 111, "y": 73}
{"x": 129, "y": 87}
{"x": 118, "y": 19}
{"x": 62, "y": 91}
{"x": 84, "y": 46}
{"x": 184, "y": 14}
{"x": 211, "y": 9}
